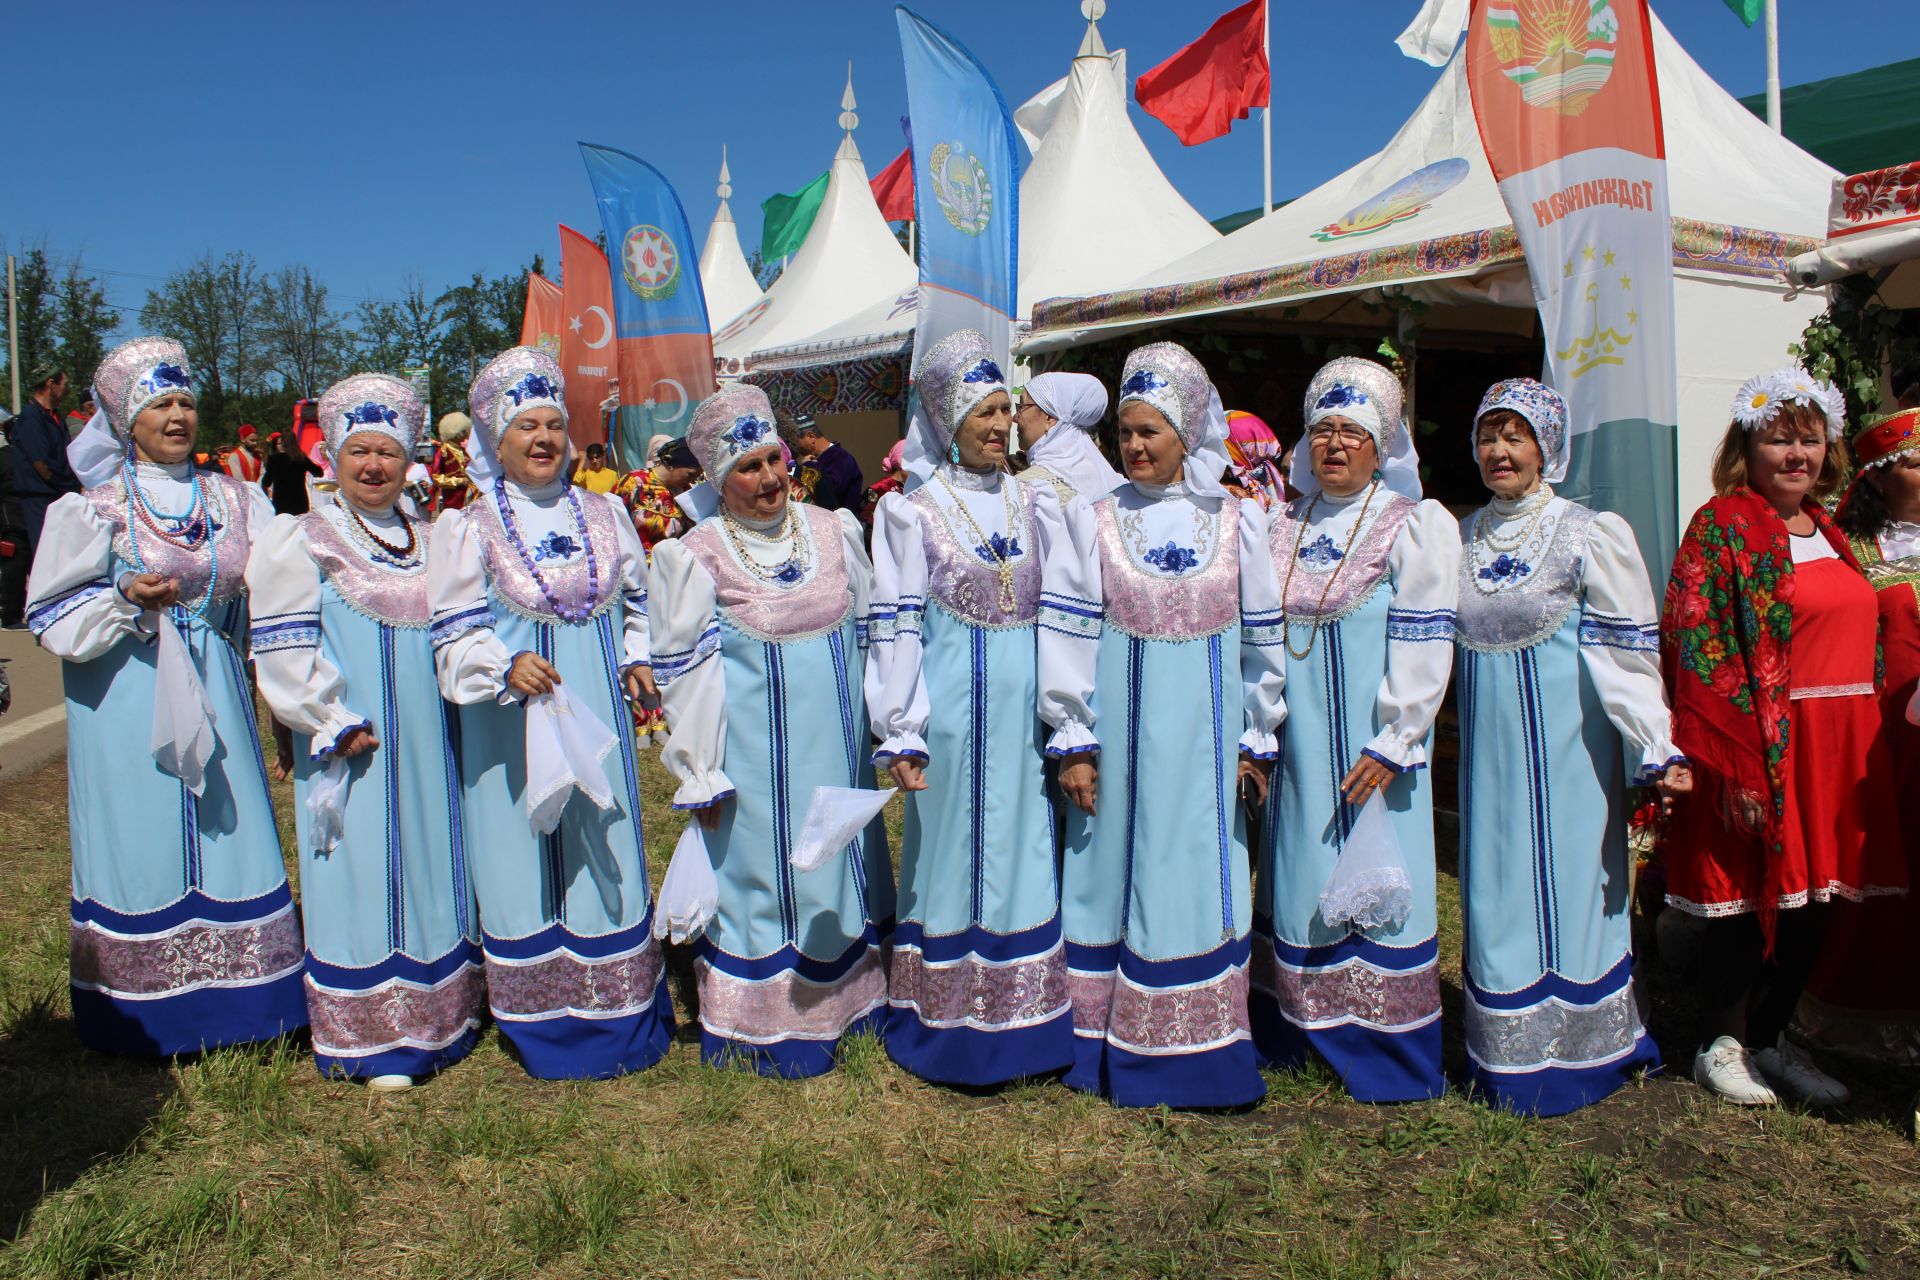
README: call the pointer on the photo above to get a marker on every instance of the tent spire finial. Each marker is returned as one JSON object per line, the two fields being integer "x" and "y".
{"x": 725, "y": 189}
{"x": 848, "y": 120}
{"x": 1092, "y": 46}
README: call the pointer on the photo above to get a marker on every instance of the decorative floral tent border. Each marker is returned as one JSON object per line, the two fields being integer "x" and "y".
{"x": 858, "y": 385}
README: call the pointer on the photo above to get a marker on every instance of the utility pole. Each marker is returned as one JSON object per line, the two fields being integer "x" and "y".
{"x": 13, "y": 336}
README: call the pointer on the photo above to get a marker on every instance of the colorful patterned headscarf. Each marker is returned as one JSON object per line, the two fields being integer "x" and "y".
{"x": 1255, "y": 454}
{"x": 1544, "y": 410}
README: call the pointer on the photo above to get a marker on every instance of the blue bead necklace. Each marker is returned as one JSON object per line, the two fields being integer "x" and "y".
{"x": 195, "y": 526}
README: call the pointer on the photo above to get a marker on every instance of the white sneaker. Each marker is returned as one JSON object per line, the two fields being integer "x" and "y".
{"x": 1725, "y": 1068}
{"x": 390, "y": 1084}
{"x": 1792, "y": 1071}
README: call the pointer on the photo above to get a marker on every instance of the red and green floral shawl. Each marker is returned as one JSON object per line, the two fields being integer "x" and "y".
{"x": 1726, "y": 634}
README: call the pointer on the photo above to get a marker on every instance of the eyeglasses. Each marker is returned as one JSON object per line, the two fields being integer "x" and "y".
{"x": 1323, "y": 434}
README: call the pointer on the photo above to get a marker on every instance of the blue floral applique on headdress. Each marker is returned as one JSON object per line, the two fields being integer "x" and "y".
{"x": 1341, "y": 396}
{"x": 1143, "y": 382}
{"x": 533, "y": 386}
{"x": 748, "y": 432}
{"x": 164, "y": 375}
{"x": 984, "y": 371}
{"x": 372, "y": 414}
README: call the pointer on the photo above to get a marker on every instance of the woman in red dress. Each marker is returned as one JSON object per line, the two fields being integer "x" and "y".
{"x": 1768, "y": 648}
{"x": 1865, "y": 994}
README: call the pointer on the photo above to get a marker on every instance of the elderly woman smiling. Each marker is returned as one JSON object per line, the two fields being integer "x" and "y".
{"x": 341, "y": 648}
{"x": 757, "y": 619}
{"x": 1559, "y": 642}
{"x": 184, "y": 935}
{"x": 536, "y": 584}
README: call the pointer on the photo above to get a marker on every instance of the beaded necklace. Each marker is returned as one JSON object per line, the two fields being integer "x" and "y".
{"x": 194, "y": 527}
{"x": 1286, "y": 590}
{"x": 788, "y": 571}
{"x": 1002, "y": 555}
{"x": 1509, "y": 565}
{"x": 504, "y": 506}
{"x": 371, "y": 541}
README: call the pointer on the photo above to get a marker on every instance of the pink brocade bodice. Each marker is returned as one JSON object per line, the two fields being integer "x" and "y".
{"x": 146, "y": 552}
{"x": 811, "y": 607}
{"x": 507, "y": 572}
{"x": 1314, "y": 594}
{"x": 397, "y": 597}
{"x": 969, "y": 587}
{"x": 1160, "y": 606}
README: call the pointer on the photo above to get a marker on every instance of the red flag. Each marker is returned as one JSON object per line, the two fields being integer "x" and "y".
{"x": 586, "y": 335}
{"x": 541, "y": 326}
{"x": 893, "y": 188}
{"x": 1200, "y": 91}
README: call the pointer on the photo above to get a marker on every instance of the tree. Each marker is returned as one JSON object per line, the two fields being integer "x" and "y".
{"x": 239, "y": 289}
{"x": 472, "y": 335}
{"x": 306, "y": 341}
{"x": 36, "y": 302}
{"x": 85, "y": 320}
{"x": 189, "y": 307}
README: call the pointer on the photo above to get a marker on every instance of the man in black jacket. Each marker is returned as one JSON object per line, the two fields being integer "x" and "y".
{"x": 40, "y": 469}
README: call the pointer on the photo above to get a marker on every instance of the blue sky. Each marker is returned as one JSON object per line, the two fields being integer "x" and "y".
{"x": 374, "y": 140}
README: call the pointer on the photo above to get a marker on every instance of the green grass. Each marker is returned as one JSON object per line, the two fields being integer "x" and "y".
{"x": 248, "y": 1163}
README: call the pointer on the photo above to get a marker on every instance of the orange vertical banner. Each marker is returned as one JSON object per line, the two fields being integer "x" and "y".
{"x": 541, "y": 325}
{"x": 586, "y": 335}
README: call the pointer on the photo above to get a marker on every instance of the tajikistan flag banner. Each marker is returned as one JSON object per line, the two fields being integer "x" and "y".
{"x": 1569, "y": 112}
{"x": 966, "y": 197}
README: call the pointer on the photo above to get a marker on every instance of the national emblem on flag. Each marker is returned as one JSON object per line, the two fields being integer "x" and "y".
{"x": 1560, "y": 52}
{"x": 651, "y": 262}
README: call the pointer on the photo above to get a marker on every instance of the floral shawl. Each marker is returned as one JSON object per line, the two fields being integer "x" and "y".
{"x": 1726, "y": 634}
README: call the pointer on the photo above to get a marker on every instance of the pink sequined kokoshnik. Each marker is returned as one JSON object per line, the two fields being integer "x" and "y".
{"x": 1366, "y": 564}
{"x": 1188, "y": 606}
{"x": 392, "y": 596}
{"x": 761, "y": 609}
{"x": 967, "y": 586}
{"x": 508, "y": 576}
{"x": 228, "y": 507}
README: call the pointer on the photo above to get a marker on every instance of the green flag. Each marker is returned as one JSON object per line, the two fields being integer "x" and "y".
{"x": 1749, "y": 11}
{"x": 787, "y": 219}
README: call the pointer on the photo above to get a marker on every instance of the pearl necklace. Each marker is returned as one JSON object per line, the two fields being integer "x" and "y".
{"x": 790, "y": 569}
{"x": 1534, "y": 506}
{"x": 1286, "y": 590}
{"x": 1002, "y": 563}
{"x": 504, "y": 506}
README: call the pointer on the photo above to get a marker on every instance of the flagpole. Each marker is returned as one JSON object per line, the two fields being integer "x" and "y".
{"x": 1773, "y": 65}
{"x": 1266, "y": 120}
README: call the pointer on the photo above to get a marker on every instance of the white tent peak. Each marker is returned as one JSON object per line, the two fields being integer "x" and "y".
{"x": 1091, "y": 45}
{"x": 725, "y": 278}
{"x": 849, "y": 120}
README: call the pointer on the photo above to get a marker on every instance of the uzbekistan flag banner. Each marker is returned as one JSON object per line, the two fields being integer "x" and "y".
{"x": 586, "y": 335}
{"x": 540, "y": 327}
{"x": 1568, "y": 107}
{"x": 659, "y": 312}
{"x": 965, "y": 192}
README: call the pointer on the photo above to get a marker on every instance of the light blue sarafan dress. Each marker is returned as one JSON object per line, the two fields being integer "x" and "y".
{"x": 1559, "y": 667}
{"x": 574, "y": 974}
{"x": 758, "y": 647}
{"x": 1367, "y": 586}
{"x": 184, "y": 935}
{"x": 340, "y": 642}
{"x": 978, "y": 987}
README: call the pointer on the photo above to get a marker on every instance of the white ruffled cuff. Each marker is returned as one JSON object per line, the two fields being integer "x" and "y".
{"x": 1070, "y": 738}
{"x": 904, "y": 743}
{"x": 1655, "y": 761}
{"x": 1261, "y": 746}
{"x": 1397, "y": 752}
{"x": 703, "y": 789}
{"x": 338, "y": 724}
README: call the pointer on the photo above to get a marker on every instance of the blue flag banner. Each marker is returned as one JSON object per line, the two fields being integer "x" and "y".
{"x": 966, "y": 191}
{"x": 665, "y": 349}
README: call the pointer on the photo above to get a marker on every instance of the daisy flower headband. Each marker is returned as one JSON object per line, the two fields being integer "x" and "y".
{"x": 1761, "y": 397}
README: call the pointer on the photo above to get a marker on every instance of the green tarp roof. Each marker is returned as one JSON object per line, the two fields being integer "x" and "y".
{"x": 1867, "y": 120}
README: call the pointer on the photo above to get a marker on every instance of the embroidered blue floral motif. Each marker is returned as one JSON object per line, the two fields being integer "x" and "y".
{"x": 163, "y": 376}
{"x": 790, "y": 573}
{"x": 1143, "y": 382}
{"x": 1506, "y": 568}
{"x": 1320, "y": 553}
{"x": 747, "y": 433}
{"x": 1173, "y": 559}
{"x": 192, "y": 531}
{"x": 999, "y": 548}
{"x": 533, "y": 386}
{"x": 556, "y": 546}
{"x": 985, "y": 371}
{"x": 1341, "y": 396}
{"x": 370, "y": 414}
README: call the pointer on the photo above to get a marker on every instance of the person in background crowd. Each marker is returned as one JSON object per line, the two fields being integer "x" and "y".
{"x": 16, "y": 554}
{"x": 1254, "y": 454}
{"x": 1057, "y": 417}
{"x": 183, "y": 928}
{"x": 243, "y": 461}
{"x": 650, "y": 494}
{"x": 1864, "y": 995}
{"x": 1769, "y": 644}
{"x": 78, "y": 419}
{"x": 756, "y": 615}
{"x": 284, "y": 476}
{"x": 593, "y": 474}
{"x": 448, "y": 465}
{"x": 827, "y": 473}
{"x": 343, "y": 655}
{"x": 40, "y": 470}
{"x": 1559, "y": 643}
{"x": 893, "y": 481}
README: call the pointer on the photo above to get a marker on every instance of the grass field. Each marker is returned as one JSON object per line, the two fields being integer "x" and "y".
{"x": 249, "y": 1164}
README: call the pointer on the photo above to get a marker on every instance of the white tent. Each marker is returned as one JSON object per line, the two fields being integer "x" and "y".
{"x": 724, "y": 275}
{"x": 1871, "y": 227}
{"x": 849, "y": 261}
{"x": 1424, "y": 217}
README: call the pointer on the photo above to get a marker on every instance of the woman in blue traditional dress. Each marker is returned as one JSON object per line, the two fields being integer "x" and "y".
{"x": 1160, "y": 634}
{"x": 1368, "y": 575}
{"x": 1559, "y": 641}
{"x": 340, "y": 647}
{"x": 978, "y": 988}
{"x": 184, "y": 935}
{"x": 757, "y": 622}
{"x": 536, "y": 583}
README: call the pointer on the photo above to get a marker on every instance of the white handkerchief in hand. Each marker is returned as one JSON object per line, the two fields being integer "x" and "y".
{"x": 689, "y": 893}
{"x": 833, "y": 819}
{"x": 565, "y": 746}
{"x": 327, "y": 806}
{"x": 1369, "y": 887}
{"x": 182, "y": 716}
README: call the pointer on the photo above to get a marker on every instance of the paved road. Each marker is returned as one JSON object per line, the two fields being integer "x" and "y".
{"x": 35, "y": 731}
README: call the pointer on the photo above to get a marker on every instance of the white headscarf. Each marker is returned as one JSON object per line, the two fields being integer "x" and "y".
{"x": 1077, "y": 402}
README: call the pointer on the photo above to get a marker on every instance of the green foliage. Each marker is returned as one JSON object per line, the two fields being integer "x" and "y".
{"x": 63, "y": 316}
{"x": 1853, "y": 340}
